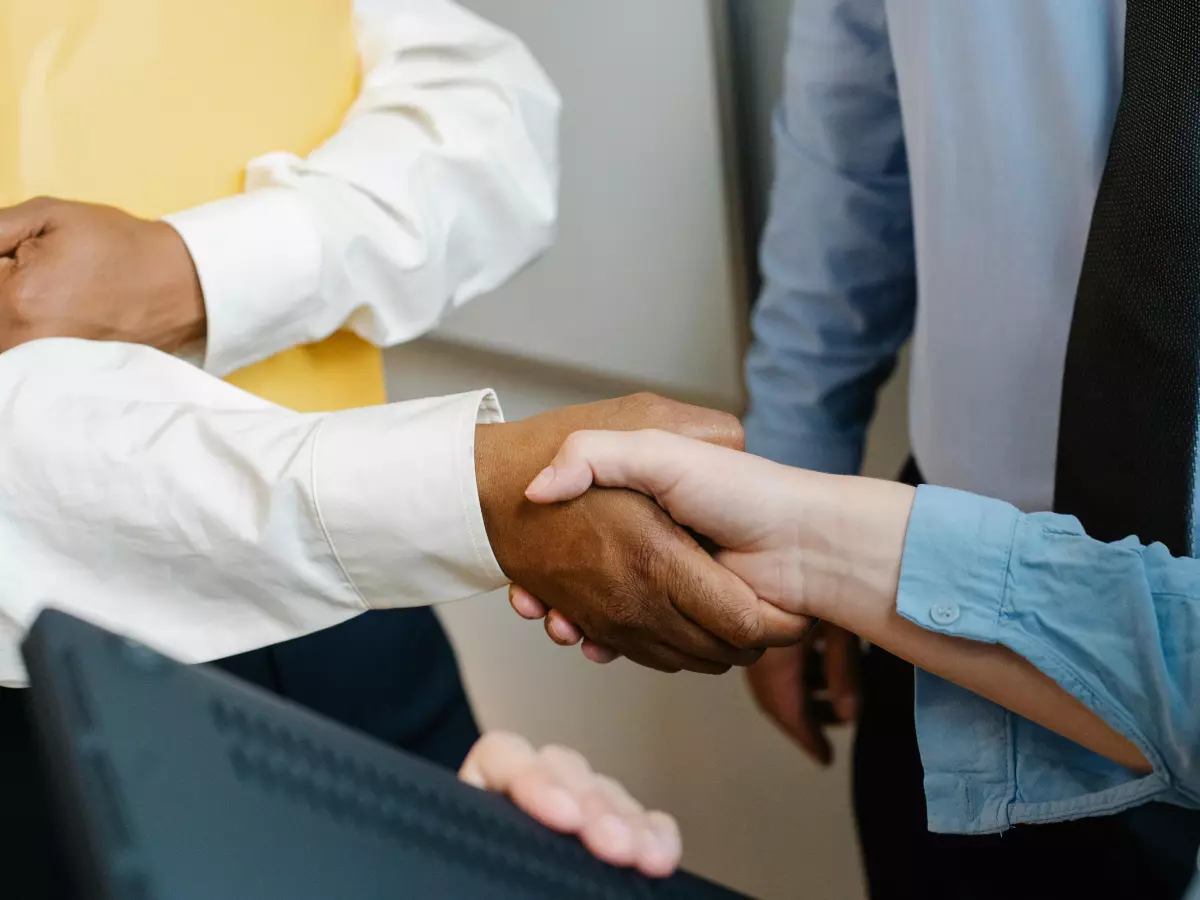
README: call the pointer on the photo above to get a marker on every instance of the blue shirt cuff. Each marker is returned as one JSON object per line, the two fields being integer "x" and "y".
{"x": 986, "y": 768}
{"x": 955, "y": 565}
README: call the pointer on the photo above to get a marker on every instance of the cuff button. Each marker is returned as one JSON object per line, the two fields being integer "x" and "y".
{"x": 945, "y": 613}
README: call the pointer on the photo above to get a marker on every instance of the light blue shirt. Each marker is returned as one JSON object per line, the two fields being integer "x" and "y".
{"x": 977, "y": 200}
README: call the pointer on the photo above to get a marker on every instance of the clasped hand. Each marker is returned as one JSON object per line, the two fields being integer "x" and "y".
{"x": 82, "y": 270}
{"x": 805, "y": 544}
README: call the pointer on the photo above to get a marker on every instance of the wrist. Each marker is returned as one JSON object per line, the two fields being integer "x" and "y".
{"x": 183, "y": 320}
{"x": 860, "y": 526}
{"x": 507, "y": 457}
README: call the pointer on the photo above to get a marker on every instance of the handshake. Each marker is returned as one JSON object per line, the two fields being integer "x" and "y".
{"x": 600, "y": 529}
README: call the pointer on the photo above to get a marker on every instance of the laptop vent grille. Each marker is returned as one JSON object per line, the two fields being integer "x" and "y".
{"x": 282, "y": 762}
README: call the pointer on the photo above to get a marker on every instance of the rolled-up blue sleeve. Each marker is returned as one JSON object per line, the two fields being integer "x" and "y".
{"x": 837, "y": 255}
{"x": 1115, "y": 625}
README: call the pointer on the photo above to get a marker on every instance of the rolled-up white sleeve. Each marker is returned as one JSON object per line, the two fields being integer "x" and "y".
{"x": 440, "y": 185}
{"x": 152, "y": 499}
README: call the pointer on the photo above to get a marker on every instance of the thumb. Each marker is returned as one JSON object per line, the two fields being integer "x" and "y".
{"x": 649, "y": 462}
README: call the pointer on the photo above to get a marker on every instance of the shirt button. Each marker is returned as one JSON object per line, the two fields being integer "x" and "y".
{"x": 945, "y": 613}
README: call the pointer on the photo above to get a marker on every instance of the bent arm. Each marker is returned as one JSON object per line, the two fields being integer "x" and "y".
{"x": 440, "y": 185}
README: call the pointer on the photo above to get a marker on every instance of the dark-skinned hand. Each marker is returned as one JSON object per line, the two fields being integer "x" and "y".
{"x": 86, "y": 271}
{"x": 611, "y": 561}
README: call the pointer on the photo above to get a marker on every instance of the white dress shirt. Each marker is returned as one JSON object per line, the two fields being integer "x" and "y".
{"x": 440, "y": 185}
{"x": 147, "y": 496}
{"x": 150, "y": 498}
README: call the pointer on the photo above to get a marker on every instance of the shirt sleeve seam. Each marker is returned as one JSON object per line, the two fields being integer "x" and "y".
{"x": 1010, "y": 725}
{"x": 321, "y": 516}
{"x": 1001, "y": 614}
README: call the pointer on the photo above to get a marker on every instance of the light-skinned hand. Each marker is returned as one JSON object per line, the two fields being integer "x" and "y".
{"x": 774, "y": 524}
{"x": 557, "y": 787}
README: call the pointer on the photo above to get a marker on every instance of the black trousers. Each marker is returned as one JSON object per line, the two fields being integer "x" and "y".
{"x": 1145, "y": 854}
{"x": 390, "y": 673}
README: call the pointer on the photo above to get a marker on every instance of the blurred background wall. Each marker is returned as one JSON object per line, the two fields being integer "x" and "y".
{"x": 666, "y": 161}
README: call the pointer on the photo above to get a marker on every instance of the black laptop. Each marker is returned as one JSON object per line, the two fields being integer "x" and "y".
{"x": 175, "y": 782}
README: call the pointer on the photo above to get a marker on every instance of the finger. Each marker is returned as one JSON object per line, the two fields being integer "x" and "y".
{"x": 649, "y": 854}
{"x": 645, "y": 461}
{"x": 541, "y": 795}
{"x": 781, "y": 628}
{"x": 569, "y": 766}
{"x": 606, "y": 833}
{"x": 561, "y": 630}
{"x": 495, "y": 760}
{"x": 810, "y": 735}
{"x": 551, "y": 786}
{"x": 598, "y": 653}
{"x": 647, "y": 658}
{"x": 21, "y": 223}
{"x": 662, "y": 857}
{"x": 724, "y": 607}
{"x": 619, "y": 830}
{"x": 697, "y": 422}
{"x": 778, "y": 687}
{"x": 672, "y": 659}
{"x": 525, "y": 604}
{"x": 777, "y": 592}
{"x": 841, "y": 672}
{"x": 619, "y": 800}
{"x": 665, "y": 658}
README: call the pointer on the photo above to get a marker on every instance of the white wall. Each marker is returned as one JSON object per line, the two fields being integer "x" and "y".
{"x": 642, "y": 282}
{"x": 755, "y": 813}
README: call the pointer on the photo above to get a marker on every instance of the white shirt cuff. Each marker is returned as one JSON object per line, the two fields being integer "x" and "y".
{"x": 258, "y": 257}
{"x": 396, "y": 493}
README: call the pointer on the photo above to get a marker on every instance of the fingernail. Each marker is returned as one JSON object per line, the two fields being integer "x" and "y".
{"x": 544, "y": 479}
{"x": 560, "y": 630}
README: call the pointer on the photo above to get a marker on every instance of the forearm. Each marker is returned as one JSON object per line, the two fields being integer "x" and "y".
{"x": 993, "y": 672}
{"x": 859, "y": 579}
{"x": 439, "y": 186}
{"x": 153, "y": 499}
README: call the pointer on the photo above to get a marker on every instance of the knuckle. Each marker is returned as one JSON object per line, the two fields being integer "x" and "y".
{"x": 610, "y": 785}
{"x": 506, "y": 742}
{"x": 566, "y": 757}
{"x": 735, "y": 432}
{"x": 744, "y": 628}
{"x": 646, "y": 406}
{"x": 621, "y": 613}
{"x": 21, "y": 300}
{"x": 42, "y": 207}
{"x": 721, "y": 428}
{"x": 648, "y": 398}
{"x": 575, "y": 444}
{"x": 646, "y": 558}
